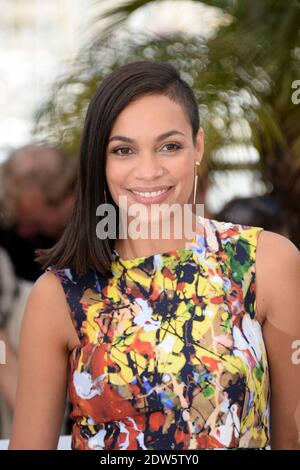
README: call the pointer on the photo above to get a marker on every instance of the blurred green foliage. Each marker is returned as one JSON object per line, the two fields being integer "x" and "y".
{"x": 242, "y": 77}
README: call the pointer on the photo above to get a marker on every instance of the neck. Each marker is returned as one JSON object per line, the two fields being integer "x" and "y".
{"x": 133, "y": 248}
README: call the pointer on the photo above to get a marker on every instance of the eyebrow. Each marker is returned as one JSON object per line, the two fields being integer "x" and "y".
{"x": 158, "y": 139}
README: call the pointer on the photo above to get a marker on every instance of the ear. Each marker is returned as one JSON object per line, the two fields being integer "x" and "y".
{"x": 199, "y": 146}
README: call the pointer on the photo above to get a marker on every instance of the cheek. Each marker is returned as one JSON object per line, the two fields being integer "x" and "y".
{"x": 116, "y": 176}
{"x": 183, "y": 172}
{"x": 184, "y": 175}
{"x": 113, "y": 173}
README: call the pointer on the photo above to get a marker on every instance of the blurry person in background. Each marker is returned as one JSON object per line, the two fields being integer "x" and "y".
{"x": 13, "y": 297}
{"x": 36, "y": 199}
{"x": 262, "y": 211}
{"x": 9, "y": 290}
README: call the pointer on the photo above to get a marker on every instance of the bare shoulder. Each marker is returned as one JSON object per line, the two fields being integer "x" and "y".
{"x": 278, "y": 270}
{"x": 45, "y": 341}
{"x": 277, "y": 252}
{"x": 47, "y": 304}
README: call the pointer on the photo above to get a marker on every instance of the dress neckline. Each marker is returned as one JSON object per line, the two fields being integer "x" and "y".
{"x": 196, "y": 242}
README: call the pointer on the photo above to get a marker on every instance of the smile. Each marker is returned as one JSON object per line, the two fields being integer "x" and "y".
{"x": 152, "y": 194}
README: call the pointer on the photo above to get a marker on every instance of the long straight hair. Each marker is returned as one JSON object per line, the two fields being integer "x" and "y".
{"x": 79, "y": 248}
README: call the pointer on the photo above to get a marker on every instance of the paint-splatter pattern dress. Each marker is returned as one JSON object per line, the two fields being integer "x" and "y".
{"x": 172, "y": 355}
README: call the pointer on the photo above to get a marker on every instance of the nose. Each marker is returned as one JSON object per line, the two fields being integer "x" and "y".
{"x": 148, "y": 167}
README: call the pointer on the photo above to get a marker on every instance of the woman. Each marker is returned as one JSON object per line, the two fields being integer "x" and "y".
{"x": 161, "y": 343}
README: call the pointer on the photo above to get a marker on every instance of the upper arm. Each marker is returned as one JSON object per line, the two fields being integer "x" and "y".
{"x": 278, "y": 271}
{"x": 43, "y": 367}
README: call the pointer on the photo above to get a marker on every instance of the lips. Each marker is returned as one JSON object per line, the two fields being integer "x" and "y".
{"x": 151, "y": 195}
{"x": 149, "y": 189}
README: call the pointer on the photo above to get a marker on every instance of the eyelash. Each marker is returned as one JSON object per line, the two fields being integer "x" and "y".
{"x": 115, "y": 150}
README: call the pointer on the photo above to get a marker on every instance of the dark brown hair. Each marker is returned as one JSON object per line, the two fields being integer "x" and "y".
{"x": 79, "y": 248}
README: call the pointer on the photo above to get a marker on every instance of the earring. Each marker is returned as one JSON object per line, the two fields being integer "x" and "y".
{"x": 195, "y": 182}
{"x": 105, "y": 197}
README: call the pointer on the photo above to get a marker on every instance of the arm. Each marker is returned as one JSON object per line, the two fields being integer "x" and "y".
{"x": 8, "y": 372}
{"x": 278, "y": 296}
{"x": 47, "y": 336}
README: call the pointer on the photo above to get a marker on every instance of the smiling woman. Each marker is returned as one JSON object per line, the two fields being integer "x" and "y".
{"x": 161, "y": 343}
{"x": 154, "y": 167}
{"x": 142, "y": 105}
{"x": 148, "y": 194}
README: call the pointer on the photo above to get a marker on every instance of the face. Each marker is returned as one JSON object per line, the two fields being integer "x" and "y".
{"x": 151, "y": 155}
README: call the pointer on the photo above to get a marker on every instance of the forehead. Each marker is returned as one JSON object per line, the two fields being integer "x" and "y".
{"x": 153, "y": 114}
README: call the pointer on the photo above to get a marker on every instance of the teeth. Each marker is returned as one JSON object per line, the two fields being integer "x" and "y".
{"x": 153, "y": 194}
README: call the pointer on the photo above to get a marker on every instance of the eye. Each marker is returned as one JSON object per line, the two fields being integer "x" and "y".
{"x": 116, "y": 150}
{"x": 177, "y": 146}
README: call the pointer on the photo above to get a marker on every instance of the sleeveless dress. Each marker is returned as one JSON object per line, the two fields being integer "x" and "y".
{"x": 171, "y": 355}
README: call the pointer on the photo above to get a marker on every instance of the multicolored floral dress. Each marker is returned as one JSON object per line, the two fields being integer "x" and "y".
{"x": 172, "y": 355}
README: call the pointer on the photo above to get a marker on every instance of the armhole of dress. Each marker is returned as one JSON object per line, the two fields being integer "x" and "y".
{"x": 237, "y": 232}
{"x": 62, "y": 277}
{"x": 251, "y": 294}
{"x": 259, "y": 230}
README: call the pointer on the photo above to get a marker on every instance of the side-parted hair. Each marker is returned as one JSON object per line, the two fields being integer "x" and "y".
{"x": 79, "y": 248}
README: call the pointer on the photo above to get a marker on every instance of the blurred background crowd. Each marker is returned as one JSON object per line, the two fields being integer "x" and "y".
{"x": 241, "y": 57}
